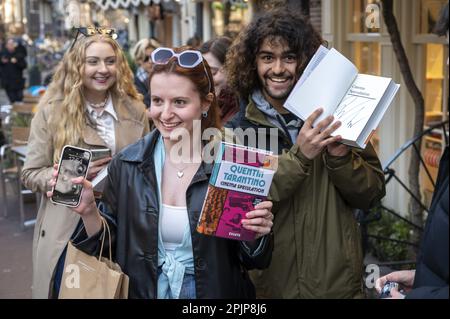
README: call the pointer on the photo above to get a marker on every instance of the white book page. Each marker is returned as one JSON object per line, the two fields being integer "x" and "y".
{"x": 375, "y": 120}
{"x": 318, "y": 56}
{"x": 358, "y": 104}
{"x": 99, "y": 180}
{"x": 324, "y": 87}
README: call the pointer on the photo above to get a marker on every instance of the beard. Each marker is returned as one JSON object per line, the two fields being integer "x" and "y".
{"x": 277, "y": 94}
{"x": 276, "y": 91}
{"x": 283, "y": 95}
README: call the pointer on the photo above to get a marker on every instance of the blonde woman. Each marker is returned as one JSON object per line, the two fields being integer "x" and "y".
{"x": 89, "y": 105}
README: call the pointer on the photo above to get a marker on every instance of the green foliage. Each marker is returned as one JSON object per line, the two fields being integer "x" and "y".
{"x": 217, "y": 5}
{"x": 389, "y": 226}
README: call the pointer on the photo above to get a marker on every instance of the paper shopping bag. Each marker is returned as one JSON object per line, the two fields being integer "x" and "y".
{"x": 89, "y": 277}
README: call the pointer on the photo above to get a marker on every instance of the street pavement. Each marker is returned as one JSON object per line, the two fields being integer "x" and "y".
{"x": 15, "y": 248}
{"x": 15, "y": 244}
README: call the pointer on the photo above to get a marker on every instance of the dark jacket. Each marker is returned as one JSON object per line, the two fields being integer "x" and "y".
{"x": 144, "y": 89}
{"x": 431, "y": 279}
{"x": 131, "y": 198}
{"x": 317, "y": 249}
{"x": 12, "y": 73}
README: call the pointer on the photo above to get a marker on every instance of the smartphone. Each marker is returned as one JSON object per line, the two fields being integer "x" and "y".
{"x": 74, "y": 163}
{"x": 99, "y": 153}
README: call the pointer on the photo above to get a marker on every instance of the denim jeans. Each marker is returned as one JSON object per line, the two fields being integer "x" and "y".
{"x": 187, "y": 288}
{"x": 59, "y": 273}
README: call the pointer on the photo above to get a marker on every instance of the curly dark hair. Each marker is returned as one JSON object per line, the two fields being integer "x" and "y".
{"x": 293, "y": 28}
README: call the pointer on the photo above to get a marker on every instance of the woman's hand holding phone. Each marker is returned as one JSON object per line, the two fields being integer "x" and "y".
{"x": 97, "y": 166}
{"x": 87, "y": 207}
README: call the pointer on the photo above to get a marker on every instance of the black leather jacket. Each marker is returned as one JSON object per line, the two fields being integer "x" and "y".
{"x": 131, "y": 199}
{"x": 431, "y": 279}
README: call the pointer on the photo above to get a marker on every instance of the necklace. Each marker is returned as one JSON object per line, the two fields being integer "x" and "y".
{"x": 98, "y": 105}
{"x": 180, "y": 171}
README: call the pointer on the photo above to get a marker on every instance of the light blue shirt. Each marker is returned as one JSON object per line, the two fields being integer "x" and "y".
{"x": 174, "y": 263}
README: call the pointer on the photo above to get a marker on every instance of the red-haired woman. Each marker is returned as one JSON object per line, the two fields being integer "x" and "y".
{"x": 153, "y": 199}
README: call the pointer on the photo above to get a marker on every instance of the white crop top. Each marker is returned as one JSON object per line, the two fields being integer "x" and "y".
{"x": 174, "y": 220}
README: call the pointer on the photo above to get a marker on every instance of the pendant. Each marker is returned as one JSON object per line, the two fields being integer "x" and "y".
{"x": 180, "y": 174}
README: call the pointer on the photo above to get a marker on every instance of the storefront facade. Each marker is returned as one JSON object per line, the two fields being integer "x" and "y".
{"x": 356, "y": 29}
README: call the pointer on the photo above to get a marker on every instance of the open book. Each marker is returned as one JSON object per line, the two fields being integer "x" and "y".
{"x": 332, "y": 82}
{"x": 240, "y": 179}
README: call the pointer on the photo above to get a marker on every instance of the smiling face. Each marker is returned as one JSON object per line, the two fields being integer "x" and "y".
{"x": 276, "y": 66}
{"x": 175, "y": 103}
{"x": 100, "y": 68}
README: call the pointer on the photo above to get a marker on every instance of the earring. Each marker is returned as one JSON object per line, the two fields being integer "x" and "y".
{"x": 205, "y": 114}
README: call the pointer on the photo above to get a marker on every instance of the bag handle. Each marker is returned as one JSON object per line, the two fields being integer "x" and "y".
{"x": 105, "y": 229}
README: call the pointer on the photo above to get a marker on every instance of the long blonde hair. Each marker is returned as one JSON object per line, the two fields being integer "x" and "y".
{"x": 68, "y": 116}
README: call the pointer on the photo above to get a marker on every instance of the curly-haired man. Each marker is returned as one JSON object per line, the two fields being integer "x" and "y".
{"x": 319, "y": 182}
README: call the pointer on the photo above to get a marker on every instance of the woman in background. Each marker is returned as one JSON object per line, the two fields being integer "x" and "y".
{"x": 215, "y": 51}
{"x": 87, "y": 105}
{"x": 141, "y": 54}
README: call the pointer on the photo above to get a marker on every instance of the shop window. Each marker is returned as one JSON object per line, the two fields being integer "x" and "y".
{"x": 229, "y": 17}
{"x": 434, "y": 62}
{"x": 434, "y": 82}
{"x": 364, "y": 20}
{"x": 434, "y": 65}
{"x": 429, "y": 13}
{"x": 367, "y": 57}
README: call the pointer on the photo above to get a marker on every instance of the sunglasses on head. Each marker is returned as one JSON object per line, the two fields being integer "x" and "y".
{"x": 187, "y": 59}
{"x": 90, "y": 31}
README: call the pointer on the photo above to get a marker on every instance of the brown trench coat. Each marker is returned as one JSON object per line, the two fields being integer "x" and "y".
{"x": 55, "y": 224}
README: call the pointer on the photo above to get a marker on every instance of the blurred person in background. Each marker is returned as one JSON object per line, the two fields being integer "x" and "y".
{"x": 141, "y": 54}
{"x": 12, "y": 64}
{"x": 194, "y": 42}
{"x": 215, "y": 51}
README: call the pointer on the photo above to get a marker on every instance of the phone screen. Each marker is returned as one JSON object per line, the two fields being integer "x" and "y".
{"x": 74, "y": 163}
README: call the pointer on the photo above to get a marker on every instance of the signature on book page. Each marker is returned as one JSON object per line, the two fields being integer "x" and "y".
{"x": 354, "y": 109}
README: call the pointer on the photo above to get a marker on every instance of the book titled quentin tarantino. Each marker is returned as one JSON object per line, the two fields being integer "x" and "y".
{"x": 240, "y": 179}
